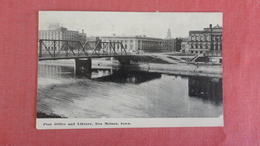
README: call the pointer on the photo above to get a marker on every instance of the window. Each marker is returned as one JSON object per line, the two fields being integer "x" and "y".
{"x": 192, "y": 38}
{"x": 217, "y": 39}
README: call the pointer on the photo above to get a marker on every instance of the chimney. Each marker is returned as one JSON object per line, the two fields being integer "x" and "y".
{"x": 82, "y": 30}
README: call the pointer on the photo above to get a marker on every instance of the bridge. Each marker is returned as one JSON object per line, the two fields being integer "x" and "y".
{"x": 69, "y": 49}
{"x": 82, "y": 53}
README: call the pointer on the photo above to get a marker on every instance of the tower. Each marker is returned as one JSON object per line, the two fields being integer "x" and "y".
{"x": 169, "y": 35}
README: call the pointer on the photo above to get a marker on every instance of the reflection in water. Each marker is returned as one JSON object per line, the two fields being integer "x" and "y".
{"x": 121, "y": 93}
{"x": 126, "y": 76}
{"x": 114, "y": 75}
{"x": 97, "y": 73}
{"x": 207, "y": 89}
{"x": 56, "y": 71}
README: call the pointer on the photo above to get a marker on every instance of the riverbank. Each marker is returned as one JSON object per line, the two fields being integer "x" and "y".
{"x": 171, "y": 67}
{"x": 182, "y": 69}
{"x": 178, "y": 64}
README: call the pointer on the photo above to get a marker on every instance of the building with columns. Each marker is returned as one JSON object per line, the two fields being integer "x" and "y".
{"x": 141, "y": 44}
{"x": 207, "y": 41}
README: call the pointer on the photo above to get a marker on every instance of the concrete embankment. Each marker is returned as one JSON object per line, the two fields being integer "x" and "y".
{"x": 176, "y": 65}
{"x": 170, "y": 68}
{"x": 181, "y": 69}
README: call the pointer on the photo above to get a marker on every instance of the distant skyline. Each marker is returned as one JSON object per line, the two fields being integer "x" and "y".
{"x": 151, "y": 24}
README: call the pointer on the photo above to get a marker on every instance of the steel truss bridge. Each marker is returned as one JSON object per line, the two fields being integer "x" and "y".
{"x": 68, "y": 49}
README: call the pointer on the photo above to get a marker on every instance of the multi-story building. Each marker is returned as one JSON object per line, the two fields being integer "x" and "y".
{"x": 93, "y": 41}
{"x": 207, "y": 41}
{"x": 82, "y": 37}
{"x": 184, "y": 45}
{"x": 61, "y": 33}
{"x": 168, "y": 45}
{"x": 141, "y": 44}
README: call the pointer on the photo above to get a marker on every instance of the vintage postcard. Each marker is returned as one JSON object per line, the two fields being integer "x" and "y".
{"x": 129, "y": 70}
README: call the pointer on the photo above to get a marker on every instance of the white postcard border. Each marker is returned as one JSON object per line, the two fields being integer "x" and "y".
{"x": 90, "y": 123}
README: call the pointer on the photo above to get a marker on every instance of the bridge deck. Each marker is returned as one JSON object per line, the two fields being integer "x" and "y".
{"x": 81, "y": 57}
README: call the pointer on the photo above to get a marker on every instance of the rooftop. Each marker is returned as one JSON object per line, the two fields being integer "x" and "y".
{"x": 130, "y": 36}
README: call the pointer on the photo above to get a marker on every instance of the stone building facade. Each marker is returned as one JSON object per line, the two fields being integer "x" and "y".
{"x": 207, "y": 41}
{"x": 142, "y": 44}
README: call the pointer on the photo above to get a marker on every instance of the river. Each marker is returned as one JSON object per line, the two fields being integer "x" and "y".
{"x": 121, "y": 93}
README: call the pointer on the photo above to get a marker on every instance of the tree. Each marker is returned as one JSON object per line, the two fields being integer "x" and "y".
{"x": 178, "y": 42}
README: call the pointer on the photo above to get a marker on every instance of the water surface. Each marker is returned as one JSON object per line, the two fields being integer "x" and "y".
{"x": 121, "y": 93}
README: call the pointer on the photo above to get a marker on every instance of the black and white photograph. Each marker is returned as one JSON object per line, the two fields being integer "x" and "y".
{"x": 129, "y": 69}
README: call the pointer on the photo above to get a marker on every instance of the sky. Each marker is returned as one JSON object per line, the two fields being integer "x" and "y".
{"x": 151, "y": 24}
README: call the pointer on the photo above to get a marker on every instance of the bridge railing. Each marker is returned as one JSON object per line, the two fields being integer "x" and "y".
{"x": 49, "y": 49}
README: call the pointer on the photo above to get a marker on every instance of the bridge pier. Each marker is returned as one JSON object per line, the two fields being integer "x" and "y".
{"x": 83, "y": 67}
{"x": 124, "y": 61}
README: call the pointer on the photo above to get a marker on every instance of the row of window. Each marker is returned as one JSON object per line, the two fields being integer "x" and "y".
{"x": 205, "y": 38}
{"x": 139, "y": 42}
{"x": 58, "y": 36}
{"x": 206, "y": 46}
{"x": 49, "y": 32}
{"x": 196, "y": 52}
{"x": 199, "y": 47}
{"x": 57, "y": 32}
{"x": 122, "y": 41}
{"x": 44, "y": 36}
